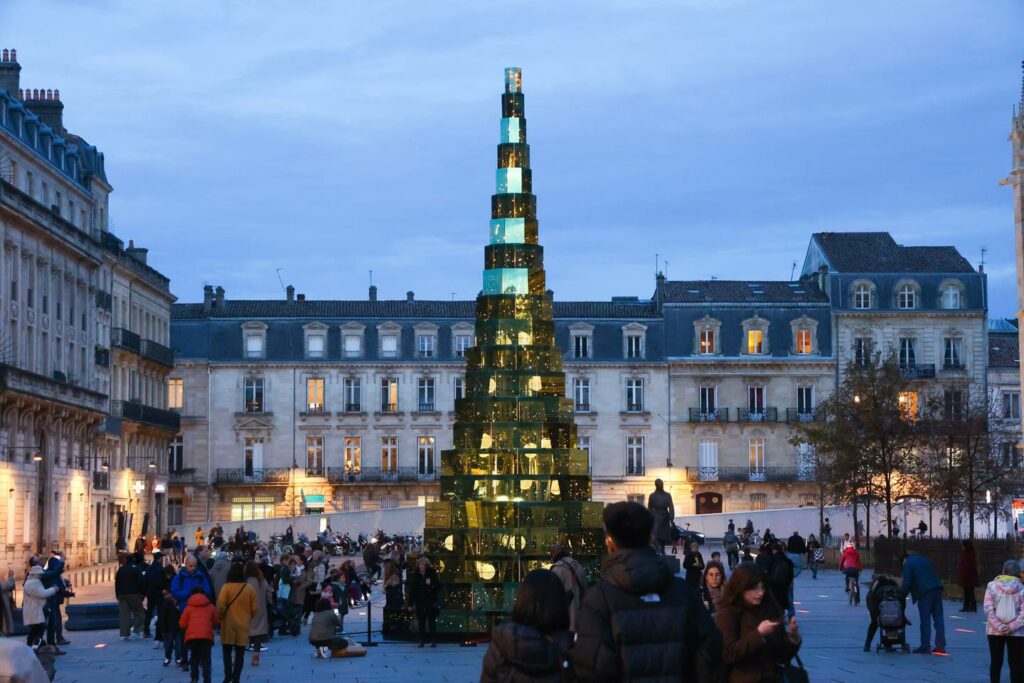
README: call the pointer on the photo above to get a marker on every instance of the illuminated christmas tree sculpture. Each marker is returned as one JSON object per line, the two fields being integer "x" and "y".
{"x": 514, "y": 482}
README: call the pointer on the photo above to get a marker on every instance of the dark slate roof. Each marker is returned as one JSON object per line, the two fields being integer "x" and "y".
{"x": 877, "y": 252}
{"x": 1005, "y": 325}
{"x": 1003, "y": 351}
{"x": 261, "y": 309}
{"x": 743, "y": 292}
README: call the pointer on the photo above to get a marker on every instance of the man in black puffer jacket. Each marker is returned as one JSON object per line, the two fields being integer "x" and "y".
{"x": 641, "y": 622}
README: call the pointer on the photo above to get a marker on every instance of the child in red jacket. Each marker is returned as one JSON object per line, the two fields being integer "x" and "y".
{"x": 197, "y": 621}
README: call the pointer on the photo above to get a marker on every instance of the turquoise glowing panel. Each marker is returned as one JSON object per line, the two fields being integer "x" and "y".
{"x": 510, "y": 130}
{"x": 506, "y": 281}
{"x": 508, "y": 230}
{"x": 509, "y": 180}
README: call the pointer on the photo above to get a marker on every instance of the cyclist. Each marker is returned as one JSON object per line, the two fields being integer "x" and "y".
{"x": 849, "y": 565}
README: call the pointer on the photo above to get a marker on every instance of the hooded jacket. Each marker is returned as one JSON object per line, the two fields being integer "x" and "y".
{"x": 34, "y": 598}
{"x": 522, "y": 654}
{"x": 1002, "y": 585}
{"x": 919, "y": 577}
{"x": 199, "y": 618}
{"x": 640, "y": 623}
{"x": 183, "y": 583}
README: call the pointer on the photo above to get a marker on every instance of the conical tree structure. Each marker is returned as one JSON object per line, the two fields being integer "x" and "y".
{"x": 514, "y": 482}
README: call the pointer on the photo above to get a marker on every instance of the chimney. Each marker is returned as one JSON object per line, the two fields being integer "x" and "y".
{"x": 659, "y": 290}
{"x": 218, "y": 299}
{"x": 137, "y": 253}
{"x": 823, "y": 278}
{"x": 373, "y": 292}
{"x": 10, "y": 72}
{"x": 207, "y": 298}
{"x": 410, "y": 297}
{"x": 300, "y": 297}
{"x": 47, "y": 106}
{"x": 290, "y": 292}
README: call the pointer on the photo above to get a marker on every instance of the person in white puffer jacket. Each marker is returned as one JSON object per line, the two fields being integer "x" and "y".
{"x": 32, "y": 605}
{"x": 1004, "y": 621}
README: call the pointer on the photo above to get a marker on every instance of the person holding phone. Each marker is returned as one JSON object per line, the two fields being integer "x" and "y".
{"x": 757, "y": 639}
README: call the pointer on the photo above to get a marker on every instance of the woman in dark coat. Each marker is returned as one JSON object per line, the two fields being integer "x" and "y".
{"x": 7, "y": 604}
{"x": 693, "y": 565}
{"x": 755, "y": 637}
{"x": 534, "y": 646}
{"x": 967, "y": 577}
{"x": 424, "y": 595}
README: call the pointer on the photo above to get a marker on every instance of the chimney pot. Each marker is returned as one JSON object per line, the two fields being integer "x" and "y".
{"x": 14, "y": 55}
{"x": 10, "y": 73}
{"x": 290, "y": 292}
{"x": 373, "y": 292}
{"x": 6, "y": 55}
{"x": 56, "y": 94}
{"x": 410, "y": 296}
{"x": 207, "y": 298}
{"x": 300, "y": 297}
{"x": 219, "y": 296}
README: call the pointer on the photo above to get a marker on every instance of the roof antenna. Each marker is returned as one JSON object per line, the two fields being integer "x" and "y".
{"x": 371, "y": 277}
{"x": 278, "y": 271}
{"x": 792, "y": 271}
{"x": 666, "y": 269}
{"x": 453, "y": 296}
{"x": 984, "y": 250}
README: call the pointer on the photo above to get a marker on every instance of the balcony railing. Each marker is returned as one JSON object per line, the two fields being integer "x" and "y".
{"x": 104, "y": 300}
{"x": 797, "y": 415}
{"x": 157, "y": 353}
{"x": 635, "y": 470}
{"x": 582, "y": 407}
{"x": 353, "y": 408}
{"x": 389, "y": 408}
{"x": 101, "y": 481}
{"x": 953, "y": 366}
{"x": 136, "y": 412}
{"x": 634, "y": 407}
{"x": 427, "y": 407}
{"x": 917, "y": 371}
{"x": 737, "y": 474}
{"x": 764, "y": 414}
{"x": 183, "y": 476}
{"x": 315, "y": 471}
{"x": 102, "y": 357}
{"x": 703, "y": 415}
{"x": 342, "y": 475}
{"x": 240, "y": 475}
{"x": 125, "y": 339}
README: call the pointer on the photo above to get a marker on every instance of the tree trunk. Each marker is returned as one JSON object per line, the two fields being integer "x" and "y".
{"x": 949, "y": 517}
{"x": 971, "y": 503}
{"x": 856, "y": 540}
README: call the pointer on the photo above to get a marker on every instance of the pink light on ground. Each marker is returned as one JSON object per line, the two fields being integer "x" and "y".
{"x": 964, "y": 630}
{"x": 803, "y": 611}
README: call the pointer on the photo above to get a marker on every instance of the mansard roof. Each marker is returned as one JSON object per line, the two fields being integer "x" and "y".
{"x": 743, "y": 292}
{"x": 878, "y": 252}
{"x": 1003, "y": 344}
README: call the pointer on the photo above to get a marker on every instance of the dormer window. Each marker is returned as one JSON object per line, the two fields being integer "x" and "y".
{"x": 352, "y": 340}
{"x": 426, "y": 340}
{"x": 462, "y": 339}
{"x": 755, "y": 342}
{"x": 389, "y": 335}
{"x": 707, "y": 340}
{"x": 863, "y": 296}
{"x": 805, "y": 336}
{"x": 634, "y": 336}
{"x": 951, "y": 295}
{"x": 581, "y": 337}
{"x": 316, "y": 340}
{"x": 254, "y": 335}
{"x": 803, "y": 341}
{"x": 906, "y": 296}
{"x": 755, "y": 336}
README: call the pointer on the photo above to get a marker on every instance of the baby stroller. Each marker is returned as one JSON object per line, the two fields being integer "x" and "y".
{"x": 890, "y": 603}
{"x": 284, "y": 621}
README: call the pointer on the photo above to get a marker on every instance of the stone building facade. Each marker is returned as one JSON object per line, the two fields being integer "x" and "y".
{"x": 65, "y": 475}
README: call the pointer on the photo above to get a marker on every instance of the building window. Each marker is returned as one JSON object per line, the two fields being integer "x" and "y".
{"x": 862, "y": 351}
{"x": 389, "y": 395}
{"x": 425, "y": 344}
{"x": 1011, "y": 405}
{"x": 581, "y": 394}
{"x": 907, "y": 297}
{"x": 389, "y": 457}
{"x": 805, "y": 402}
{"x": 951, "y": 297}
{"x": 581, "y": 346}
{"x": 353, "y": 455}
{"x": 758, "y": 501}
{"x": 425, "y": 394}
{"x": 755, "y": 402}
{"x": 953, "y": 403}
{"x": 252, "y": 394}
{"x": 252, "y": 456}
{"x": 316, "y": 345}
{"x": 862, "y": 296}
{"x": 908, "y": 405}
{"x": 353, "y": 344}
{"x": 254, "y": 334}
{"x": 389, "y": 346}
{"x": 634, "y": 346}
{"x": 635, "y": 455}
{"x": 708, "y": 459}
{"x": 755, "y": 342}
{"x": 315, "y": 456}
{"x": 908, "y": 356}
{"x": 176, "y": 455}
{"x": 708, "y": 402}
{"x": 755, "y": 456}
{"x": 175, "y": 387}
{"x": 634, "y": 395}
{"x": 804, "y": 343}
{"x": 951, "y": 357}
{"x": 246, "y": 509}
{"x": 707, "y": 342}
{"x": 353, "y": 394}
{"x": 425, "y": 457}
{"x": 175, "y": 512}
{"x": 388, "y": 501}
{"x": 458, "y": 388}
{"x": 583, "y": 443}
{"x": 314, "y": 394}
{"x": 462, "y": 343}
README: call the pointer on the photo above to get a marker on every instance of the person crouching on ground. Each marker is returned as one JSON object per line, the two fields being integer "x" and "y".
{"x": 196, "y": 623}
{"x": 323, "y": 632}
{"x": 755, "y": 641}
{"x": 534, "y": 645}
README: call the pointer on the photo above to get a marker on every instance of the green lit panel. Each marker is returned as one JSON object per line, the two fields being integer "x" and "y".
{"x": 508, "y": 180}
{"x": 506, "y": 281}
{"x": 513, "y": 129}
{"x": 508, "y": 230}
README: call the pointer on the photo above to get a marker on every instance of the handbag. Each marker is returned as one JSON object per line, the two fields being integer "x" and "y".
{"x": 795, "y": 674}
{"x": 819, "y": 555}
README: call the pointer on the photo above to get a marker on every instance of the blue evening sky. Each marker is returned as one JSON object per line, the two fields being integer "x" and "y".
{"x": 330, "y": 138}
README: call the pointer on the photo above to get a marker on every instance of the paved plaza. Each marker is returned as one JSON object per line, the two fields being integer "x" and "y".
{"x": 833, "y": 640}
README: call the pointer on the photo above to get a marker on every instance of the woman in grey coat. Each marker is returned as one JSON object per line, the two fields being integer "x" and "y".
{"x": 259, "y": 627}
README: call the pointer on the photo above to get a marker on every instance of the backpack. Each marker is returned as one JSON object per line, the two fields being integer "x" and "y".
{"x": 780, "y": 572}
{"x": 889, "y": 613}
{"x": 1006, "y": 607}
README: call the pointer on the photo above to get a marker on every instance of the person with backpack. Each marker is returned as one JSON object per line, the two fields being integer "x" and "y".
{"x": 780, "y": 579}
{"x": 731, "y": 543}
{"x": 667, "y": 626}
{"x": 183, "y": 585}
{"x": 815, "y": 555}
{"x": 1004, "y": 622}
{"x": 573, "y": 577}
{"x": 534, "y": 646}
{"x": 196, "y": 626}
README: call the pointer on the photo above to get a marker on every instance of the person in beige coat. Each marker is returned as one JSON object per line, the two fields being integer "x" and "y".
{"x": 259, "y": 627}
{"x": 236, "y": 605}
{"x": 32, "y": 604}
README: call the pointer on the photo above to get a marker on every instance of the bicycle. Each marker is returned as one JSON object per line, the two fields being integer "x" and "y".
{"x": 853, "y": 588}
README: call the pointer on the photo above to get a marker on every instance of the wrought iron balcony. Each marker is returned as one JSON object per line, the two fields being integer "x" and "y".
{"x": 316, "y": 471}
{"x": 765, "y": 414}
{"x": 125, "y": 339}
{"x": 582, "y": 407}
{"x": 353, "y": 408}
{"x": 634, "y": 470}
{"x": 157, "y": 353}
{"x": 703, "y": 415}
{"x": 917, "y": 371}
{"x": 797, "y": 415}
{"x": 102, "y": 357}
{"x": 183, "y": 476}
{"x": 427, "y": 407}
{"x": 739, "y": 474}
{"x": 101, "y": 481}
{"x": 634, "y": 407}
{"x": 371, "y": 475}
{"x": 389, "y": 408}
{"x": 240, "y": 475}
{"x": 953, "y": 366}
{"x": 137, "y": 412}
